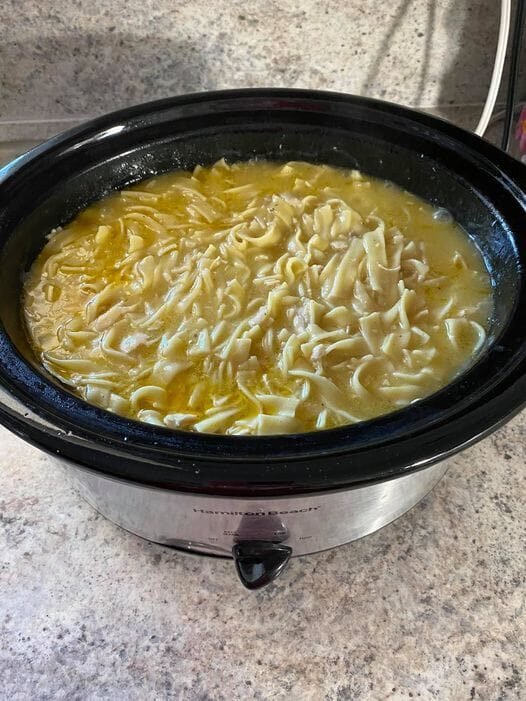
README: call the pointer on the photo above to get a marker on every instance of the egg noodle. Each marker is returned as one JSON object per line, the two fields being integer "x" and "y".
{"x": 257, "y": 298}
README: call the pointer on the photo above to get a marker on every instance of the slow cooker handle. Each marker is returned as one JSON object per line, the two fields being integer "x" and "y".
{"x": 259, "y": 562}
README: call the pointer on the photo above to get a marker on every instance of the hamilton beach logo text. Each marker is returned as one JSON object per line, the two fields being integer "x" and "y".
{"x": 256, "y": 513}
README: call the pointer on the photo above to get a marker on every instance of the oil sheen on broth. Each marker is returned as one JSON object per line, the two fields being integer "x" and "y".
{"x": 257, "y": 298}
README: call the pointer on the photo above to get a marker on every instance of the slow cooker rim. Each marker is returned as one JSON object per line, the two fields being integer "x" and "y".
{"x": 287, "y": 452}
{"x": 122, "y": 462}
{"x": 493, "y": 155}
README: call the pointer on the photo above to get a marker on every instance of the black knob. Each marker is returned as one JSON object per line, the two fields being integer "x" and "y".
{"x": 259, "y": 562}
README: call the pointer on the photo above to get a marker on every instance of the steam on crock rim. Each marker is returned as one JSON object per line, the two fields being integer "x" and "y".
{"x": 479, "y": 400}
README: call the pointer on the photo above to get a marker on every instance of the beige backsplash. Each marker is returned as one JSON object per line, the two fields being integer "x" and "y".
{"x": 65, "y": 61}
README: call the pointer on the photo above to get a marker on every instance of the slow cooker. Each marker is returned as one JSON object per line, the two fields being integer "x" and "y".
{"x": 262, "y": 499}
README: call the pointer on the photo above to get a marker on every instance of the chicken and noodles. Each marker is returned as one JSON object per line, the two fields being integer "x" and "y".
{"x": 257, "y": 298}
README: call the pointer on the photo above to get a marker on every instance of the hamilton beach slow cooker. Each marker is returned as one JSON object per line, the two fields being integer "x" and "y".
{"x": 262, "y": 499}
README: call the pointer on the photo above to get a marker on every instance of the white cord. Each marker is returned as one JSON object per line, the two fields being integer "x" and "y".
{"x": 500, "y": 57}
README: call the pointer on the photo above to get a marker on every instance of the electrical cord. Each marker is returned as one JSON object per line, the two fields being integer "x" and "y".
{"x": 497, "y": 116}
{"x": 513, "y": 73}
{"x": 498, "y": 67}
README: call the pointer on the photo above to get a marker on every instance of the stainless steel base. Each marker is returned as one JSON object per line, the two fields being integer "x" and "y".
{"x": 212, "y": 525}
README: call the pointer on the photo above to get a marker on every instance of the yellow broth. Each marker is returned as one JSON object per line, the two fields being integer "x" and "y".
{"x": 257, "y": 298}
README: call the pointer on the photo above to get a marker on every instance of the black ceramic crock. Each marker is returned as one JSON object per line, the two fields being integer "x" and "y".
{"x": 482, "y": 187}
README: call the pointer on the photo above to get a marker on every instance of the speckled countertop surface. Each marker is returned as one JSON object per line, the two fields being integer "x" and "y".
{"x": 431, "y": 607}
{"x": 67, "y": 60}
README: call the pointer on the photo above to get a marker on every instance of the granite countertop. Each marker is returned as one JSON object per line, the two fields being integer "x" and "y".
{"x": 65, "y": 61}
{"x": 432, "y": 606}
